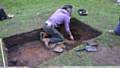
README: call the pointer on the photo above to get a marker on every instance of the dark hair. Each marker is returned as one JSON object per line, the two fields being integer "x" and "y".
{"x": 67, "y": 6}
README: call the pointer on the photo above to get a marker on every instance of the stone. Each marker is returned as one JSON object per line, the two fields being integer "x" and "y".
{"x": 58, "y": 49}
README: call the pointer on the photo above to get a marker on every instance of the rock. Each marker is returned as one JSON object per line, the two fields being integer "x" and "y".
{"x": 58, "y": 49}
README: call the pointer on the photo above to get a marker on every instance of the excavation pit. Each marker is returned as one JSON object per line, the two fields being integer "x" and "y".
{"x": 26, "y": 49}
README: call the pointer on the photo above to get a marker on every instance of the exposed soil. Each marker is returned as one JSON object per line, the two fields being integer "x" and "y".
{"x": 26, "y": 49}
{"x": 29, "y": 54}
{"x": 106, "y": 56}
{"x": 80, "y": 30}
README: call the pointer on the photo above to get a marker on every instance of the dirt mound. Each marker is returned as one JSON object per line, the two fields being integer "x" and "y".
{"x": 26, "y": 49}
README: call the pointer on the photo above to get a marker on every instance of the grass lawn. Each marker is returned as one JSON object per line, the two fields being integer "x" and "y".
{"x": 31, "y": 14}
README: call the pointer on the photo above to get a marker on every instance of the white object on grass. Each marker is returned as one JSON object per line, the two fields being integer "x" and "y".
{"x": 111, "y": 31}
{"x": 10, "y": 16}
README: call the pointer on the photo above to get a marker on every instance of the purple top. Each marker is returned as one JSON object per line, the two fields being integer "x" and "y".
{"x": 61, "y": 16}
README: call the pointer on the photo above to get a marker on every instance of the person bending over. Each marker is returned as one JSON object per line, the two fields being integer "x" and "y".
{"x": 60, "y": 16}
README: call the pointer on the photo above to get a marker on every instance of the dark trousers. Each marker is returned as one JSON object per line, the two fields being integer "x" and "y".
{"x": 54, "y": 35}
{"x": 2, "y": 14}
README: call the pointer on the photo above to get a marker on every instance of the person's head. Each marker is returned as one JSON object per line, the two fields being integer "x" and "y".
{"x": 68, "y": 8}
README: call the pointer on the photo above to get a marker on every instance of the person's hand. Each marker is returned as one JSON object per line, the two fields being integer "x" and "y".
{"x": 71, "y": 37}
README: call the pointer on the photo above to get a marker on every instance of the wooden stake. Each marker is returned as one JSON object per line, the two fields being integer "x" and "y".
{"x": 2, "y": 52}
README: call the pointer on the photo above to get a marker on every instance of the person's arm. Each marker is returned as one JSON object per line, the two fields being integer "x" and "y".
{"x": 67, "y": 27}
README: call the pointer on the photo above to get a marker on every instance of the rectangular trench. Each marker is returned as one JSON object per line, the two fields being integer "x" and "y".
{"x": 26, "y": 49}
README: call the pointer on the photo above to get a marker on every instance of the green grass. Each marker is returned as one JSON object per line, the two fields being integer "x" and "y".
{"x": 31, "y": 14}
